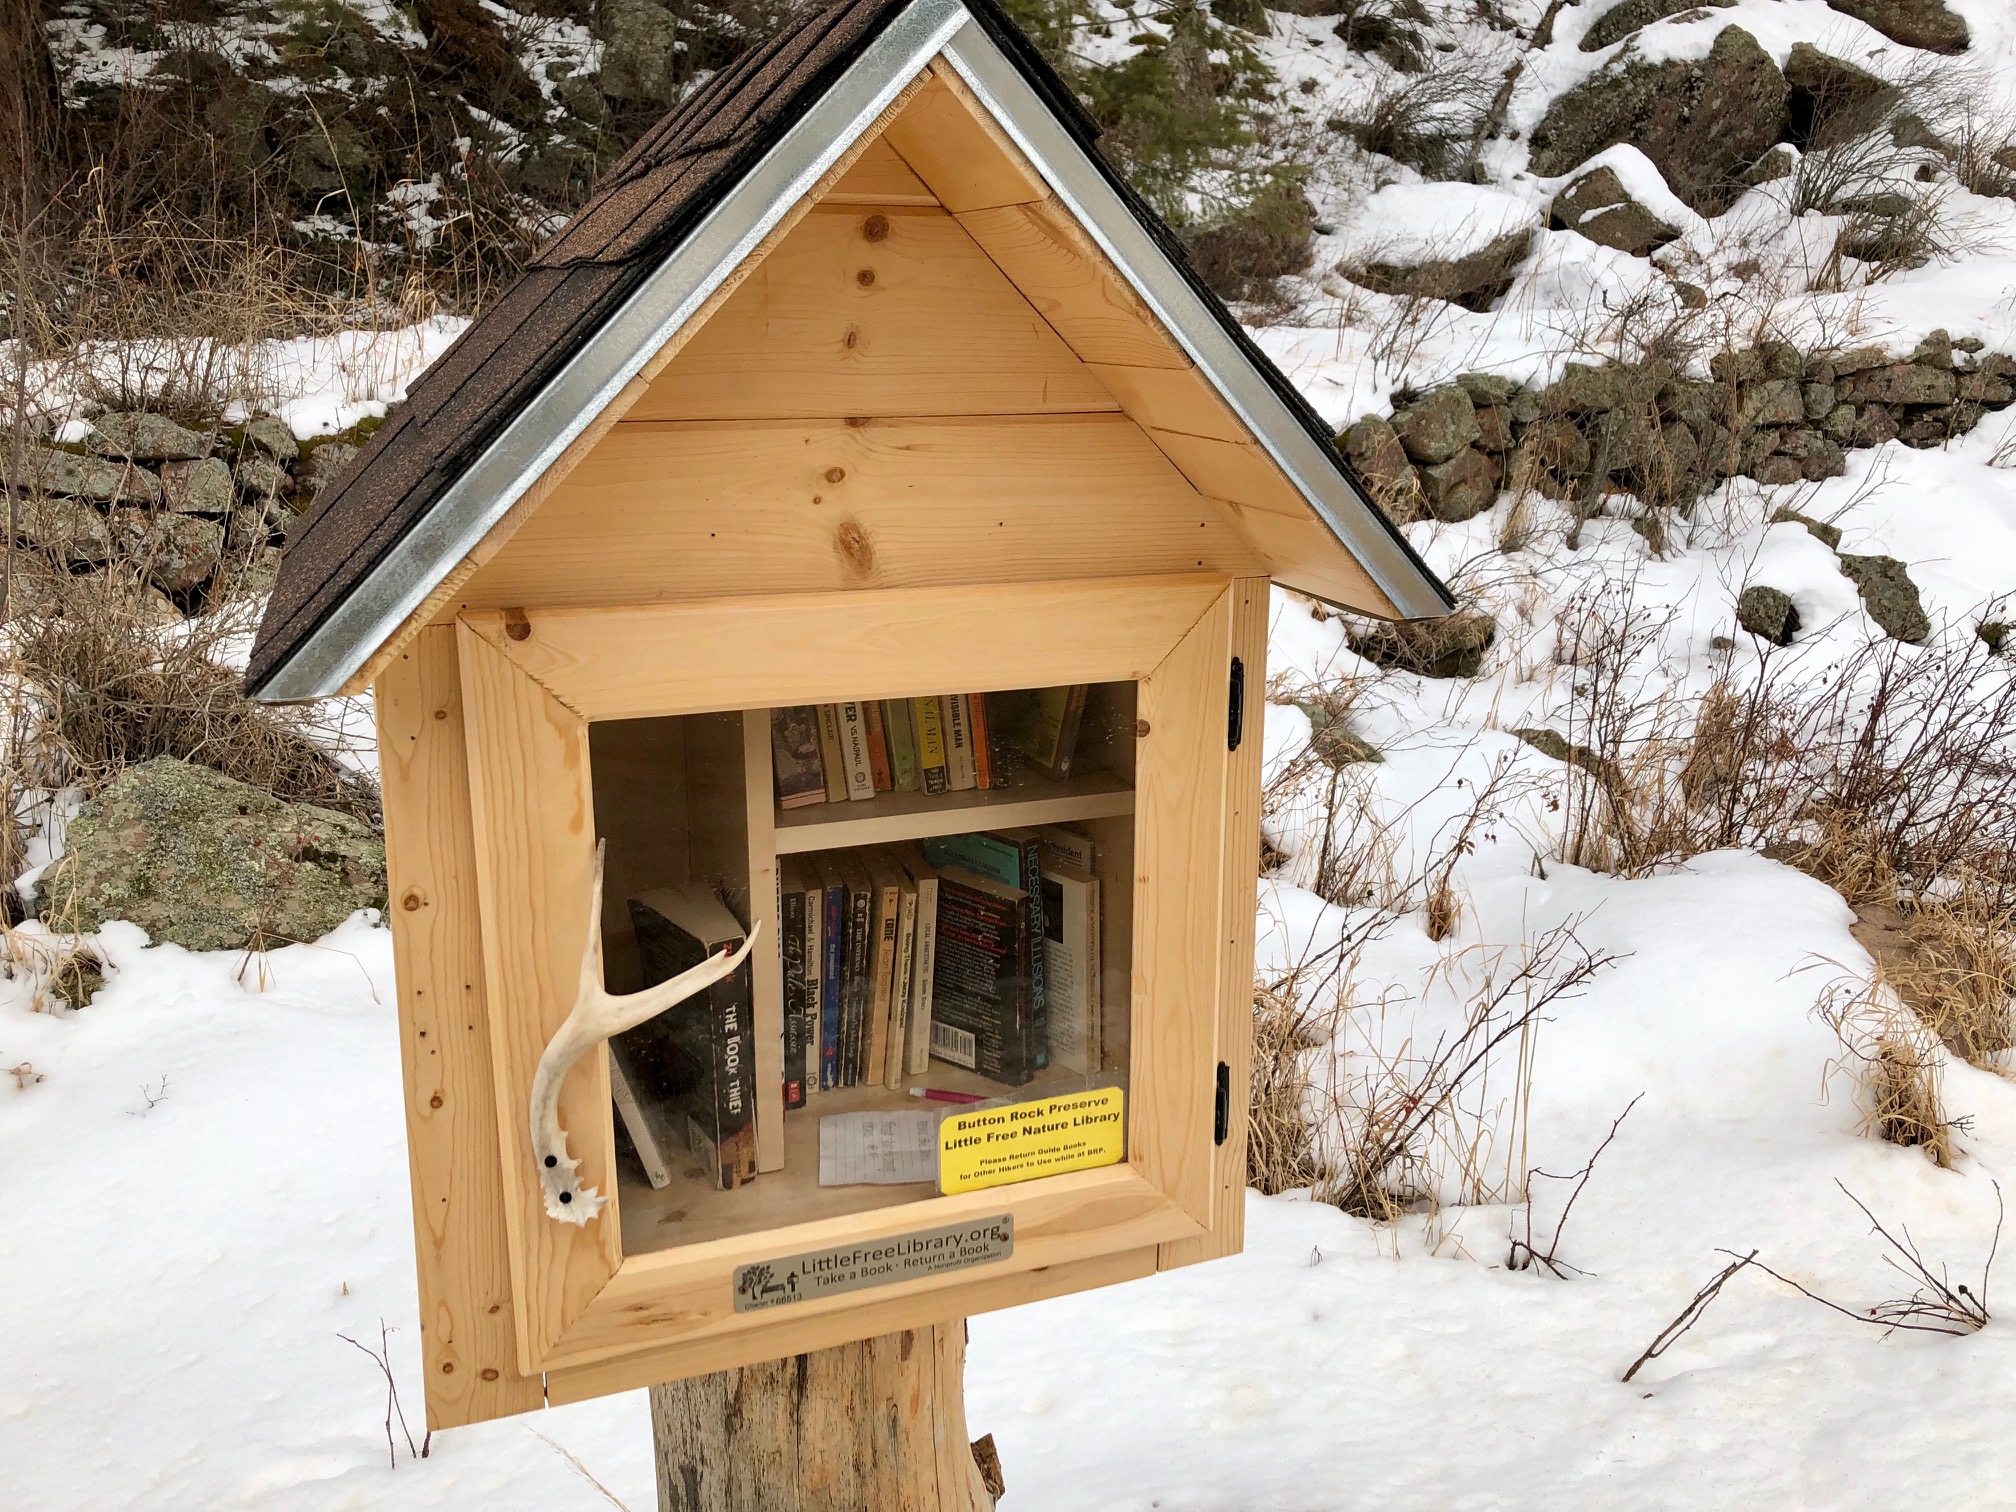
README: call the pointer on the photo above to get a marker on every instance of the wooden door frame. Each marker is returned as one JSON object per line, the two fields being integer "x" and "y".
{"x": 532, "y": 681}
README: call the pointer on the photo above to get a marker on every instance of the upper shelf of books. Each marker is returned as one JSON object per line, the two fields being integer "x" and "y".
{"x": 904, "y": 768}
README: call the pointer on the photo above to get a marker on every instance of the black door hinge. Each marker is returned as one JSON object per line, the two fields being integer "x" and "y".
{"x": 1235, "y": 722}
{"x": 1221, "y": 1121}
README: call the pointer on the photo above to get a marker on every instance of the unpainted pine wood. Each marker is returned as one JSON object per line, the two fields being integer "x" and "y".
{"x": 1061, "y": 271}
{"x": 535, "y": 864}
{"x": 468, "y": 1351}
{"x": 1236, "y": 470}
{"x": 1240, "y": 886}
{"x": 684, "y": 1295}
{"x": 879, "y": 177}
{"x": 952, "y": 144}
{"x": 1302, "y": 554}
{"x": 879, "y": 1424}
{"x": 759, "y": 815}
{"x": 873, "y": 310}
{"x": 786, "y": 1333}
{"x": 804, "y": 648}
{"x": 439, "y": 605}
{"x": 1165, "y": 399}
{"x": 668, "y": 512}
{"x": 1179, "y": 855}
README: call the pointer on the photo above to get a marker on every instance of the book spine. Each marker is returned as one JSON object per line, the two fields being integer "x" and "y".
{"x": 1030, "y": 845}
{"x": 926, "y": 967}
{"x": 1095, "y": 967}
{"x": 833, "y": 940}
{"x": 854, "y": 748}
{"x": 832, "y": 753}
{"x": 1067, "y": 735}
{"x": 898, "y": 725}
{"x": 878, "y": 747}
{"x": 881, "y": 985}
{"x": 643, "y": 1138}
{"x": 931, "y": 770}
{"x": 734, "y": 1077}
{"x": 793, "y": 913}
{"x": 860, "y": 933}
{"x": 976, "y": 732}
{"x": 958, "y": 743}
{"x": 902, "y": 990}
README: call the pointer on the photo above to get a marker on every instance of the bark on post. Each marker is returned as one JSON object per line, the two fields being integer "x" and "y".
{"x": 878, "y": 1426}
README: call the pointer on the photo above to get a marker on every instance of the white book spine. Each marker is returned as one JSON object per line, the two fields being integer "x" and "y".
{"x": 959, "y": 768}
{"x": 631, "y": 1111}
{"x": 854, "y": 746}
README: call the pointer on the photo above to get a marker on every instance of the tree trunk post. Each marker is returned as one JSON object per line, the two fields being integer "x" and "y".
{"x": 878, "y": 1426}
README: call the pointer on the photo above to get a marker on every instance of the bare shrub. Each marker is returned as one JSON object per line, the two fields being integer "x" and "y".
{"x": 1427, "y": 120}
{"x": 1402, "y": 1127}
{"x": 108, "y": 686}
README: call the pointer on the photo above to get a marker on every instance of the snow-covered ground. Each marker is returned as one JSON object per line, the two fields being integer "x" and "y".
{"x": 205, "y": 1176}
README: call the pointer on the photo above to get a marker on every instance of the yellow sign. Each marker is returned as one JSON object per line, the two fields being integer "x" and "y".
{"x": 991, "y": 1147}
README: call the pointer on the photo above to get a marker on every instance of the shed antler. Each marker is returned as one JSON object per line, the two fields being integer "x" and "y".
{"x": 597, "y": 1015}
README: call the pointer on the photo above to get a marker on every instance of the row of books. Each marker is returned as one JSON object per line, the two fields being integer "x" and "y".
{"x": 947, "y": 743}
{"x": 979, "y": 950}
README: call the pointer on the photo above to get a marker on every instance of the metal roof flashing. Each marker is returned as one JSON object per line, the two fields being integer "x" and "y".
{"x": 475, "y": 501}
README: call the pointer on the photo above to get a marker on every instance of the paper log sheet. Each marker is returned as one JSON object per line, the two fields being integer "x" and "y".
{"x": 877, "y": 1149}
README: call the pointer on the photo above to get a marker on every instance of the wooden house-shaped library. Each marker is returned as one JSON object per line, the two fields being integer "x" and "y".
{"x": 848, "y": 543}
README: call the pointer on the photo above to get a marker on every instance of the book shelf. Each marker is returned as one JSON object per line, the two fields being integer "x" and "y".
{"x": 691, "y": 799}
{"x": 914, "y": 816}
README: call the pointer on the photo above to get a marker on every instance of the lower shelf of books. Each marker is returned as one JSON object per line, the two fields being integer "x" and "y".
{"x": 693, "y": 1207}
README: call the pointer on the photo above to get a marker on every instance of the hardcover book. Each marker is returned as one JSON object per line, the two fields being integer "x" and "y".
{"x": 699, "y": 1054}
{"x": 794, "y": 756}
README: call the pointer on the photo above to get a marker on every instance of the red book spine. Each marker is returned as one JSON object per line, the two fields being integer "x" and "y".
{"x": 878, "y": 747}
{"x": 976, "y": 720}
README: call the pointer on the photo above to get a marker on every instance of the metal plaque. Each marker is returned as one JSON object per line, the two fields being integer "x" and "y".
{"x": 877, "y": 1262}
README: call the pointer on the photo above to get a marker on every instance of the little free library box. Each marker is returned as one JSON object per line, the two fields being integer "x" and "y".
{"x": 817, "y": 619}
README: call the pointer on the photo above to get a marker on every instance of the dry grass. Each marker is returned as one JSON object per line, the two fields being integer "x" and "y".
{"x": 1288, "y": 1033}
{"x": 1957, "y": 968}
{"x": 1892, "y": 1062}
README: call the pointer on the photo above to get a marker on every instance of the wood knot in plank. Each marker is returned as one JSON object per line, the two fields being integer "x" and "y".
{"x": 855, "y": 550}
{"x": 516, "y": 625}
{"x": 875, "y": 228}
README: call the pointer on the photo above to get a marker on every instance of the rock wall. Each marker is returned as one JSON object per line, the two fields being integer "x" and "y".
{"x": 1768, "y": 412}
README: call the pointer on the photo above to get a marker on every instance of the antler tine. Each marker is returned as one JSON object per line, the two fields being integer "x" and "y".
{"x": 596, "y": 1015}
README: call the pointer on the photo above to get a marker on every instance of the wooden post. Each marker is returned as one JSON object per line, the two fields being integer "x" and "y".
{"x": 878, "y": 1426}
